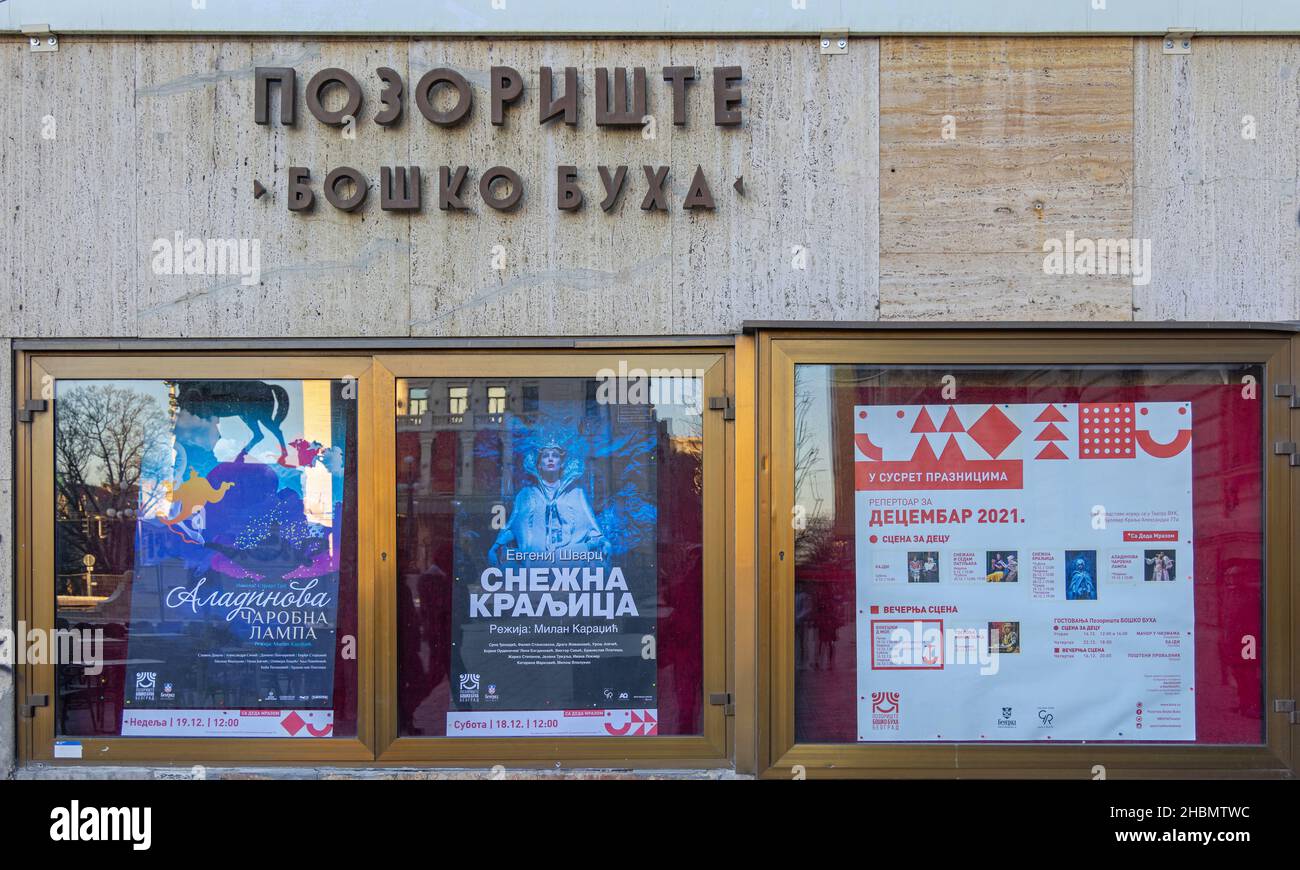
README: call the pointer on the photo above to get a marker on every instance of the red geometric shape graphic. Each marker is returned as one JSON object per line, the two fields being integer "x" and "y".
{"x": 1051, "y": 433}
{"x": 1051, "y": 415}
{"x": 869, "y": 450}
{"x": 1164, "y": 451}
{"x": 1106, "y": 430}
{"x": 292, "y": 723}
{"x": 924, "y": 452}
{"x": 323, "y": 731}
{"x": 951, "y": 422}
{"x": 951, "y": 452}
{"x": 1051, "y": 451}
{"x": 994, "y": 431}
{"x": 618, "y": 732}
{"x": 923, "y": 423}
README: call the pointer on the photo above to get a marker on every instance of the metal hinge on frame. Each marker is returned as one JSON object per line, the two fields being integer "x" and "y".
{"x": 39, "y": 37}
{"x": 1287, "y": 448}
{"x": 1287, "y": 705}
{"x": 30, "y": 407}
{"x": 1287, "y": 391}
{"x": 28, "y": 710}
{"x": 725, "y": 701}
{"x": 725, "y": 404}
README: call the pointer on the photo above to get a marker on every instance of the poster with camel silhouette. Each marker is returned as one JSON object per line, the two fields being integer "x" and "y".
{"x": 233, "y": 579}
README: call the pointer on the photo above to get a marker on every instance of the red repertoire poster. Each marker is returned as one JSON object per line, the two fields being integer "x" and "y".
{"x": 1024, "y": 572}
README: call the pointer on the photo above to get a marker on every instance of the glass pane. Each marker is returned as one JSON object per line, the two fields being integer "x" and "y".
{"x": 550, "y": 559}
{"x": 205, "y": 557}
{"x": 1029, "y": 554}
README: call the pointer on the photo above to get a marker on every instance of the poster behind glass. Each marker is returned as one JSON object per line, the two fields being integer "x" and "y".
{"x": 550, "y": 558}
{"x": 1045, "y": 554}
{"x": 201, "y": 524}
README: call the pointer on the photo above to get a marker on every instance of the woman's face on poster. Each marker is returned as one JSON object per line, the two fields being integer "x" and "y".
{"x": 550, "y": 459}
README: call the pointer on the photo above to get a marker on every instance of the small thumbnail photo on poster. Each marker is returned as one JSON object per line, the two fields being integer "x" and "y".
{"x": 1001, "y": 566}
{"x": 923, "y": 567}
{"x": 1080, "y": 575}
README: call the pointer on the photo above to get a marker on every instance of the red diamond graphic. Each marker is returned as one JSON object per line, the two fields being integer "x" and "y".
{"x": 994, "y": 431}
{"x": 292, "y": 723}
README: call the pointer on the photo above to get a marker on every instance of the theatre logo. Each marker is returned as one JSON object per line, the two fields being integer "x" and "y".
{"x": 146, "y": 683}
{"x": 885, "y": 708}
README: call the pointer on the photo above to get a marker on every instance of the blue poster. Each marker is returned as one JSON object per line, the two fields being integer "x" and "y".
{"x": 554, "y": 602}
{"x": 234, "y": 602}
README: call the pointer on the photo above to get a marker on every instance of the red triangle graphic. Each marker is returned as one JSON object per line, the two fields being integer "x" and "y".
{"x": 648, "y": 717}
{"x": 635, "y": 717}
{"x": 1051, "y": 433}
{"x": 1051, "y": 451}
{"x": 924, "y": 452}
{"x": 951, "y": 452}
{"x": 1051, "y": 415}
{"x": 951, "y": 422}
{"x": 923, "y": 422}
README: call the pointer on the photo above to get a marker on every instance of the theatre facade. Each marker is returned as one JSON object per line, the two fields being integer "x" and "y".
{"x": 574, "y": 391}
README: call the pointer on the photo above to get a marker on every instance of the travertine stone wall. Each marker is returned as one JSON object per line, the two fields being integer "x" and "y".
{"x": 989, "y": 147}
{"x": 1221, "y": 209}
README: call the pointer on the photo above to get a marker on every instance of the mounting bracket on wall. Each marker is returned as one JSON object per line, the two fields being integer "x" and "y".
{"x": 835, "y": 42}
{"x": 1178, "y": 41}
{"x": 39, "y": 37}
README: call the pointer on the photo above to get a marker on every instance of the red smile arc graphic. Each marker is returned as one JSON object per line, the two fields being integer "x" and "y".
{"x": 1164, "y": 451}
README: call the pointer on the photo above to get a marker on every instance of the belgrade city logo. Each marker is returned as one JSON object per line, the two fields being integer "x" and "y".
{"x": 1005, "y": 721}
{"x": 885, "y": 708}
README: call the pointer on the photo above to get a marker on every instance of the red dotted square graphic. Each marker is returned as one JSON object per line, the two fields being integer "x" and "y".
{"x": 1106, "y": 430}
